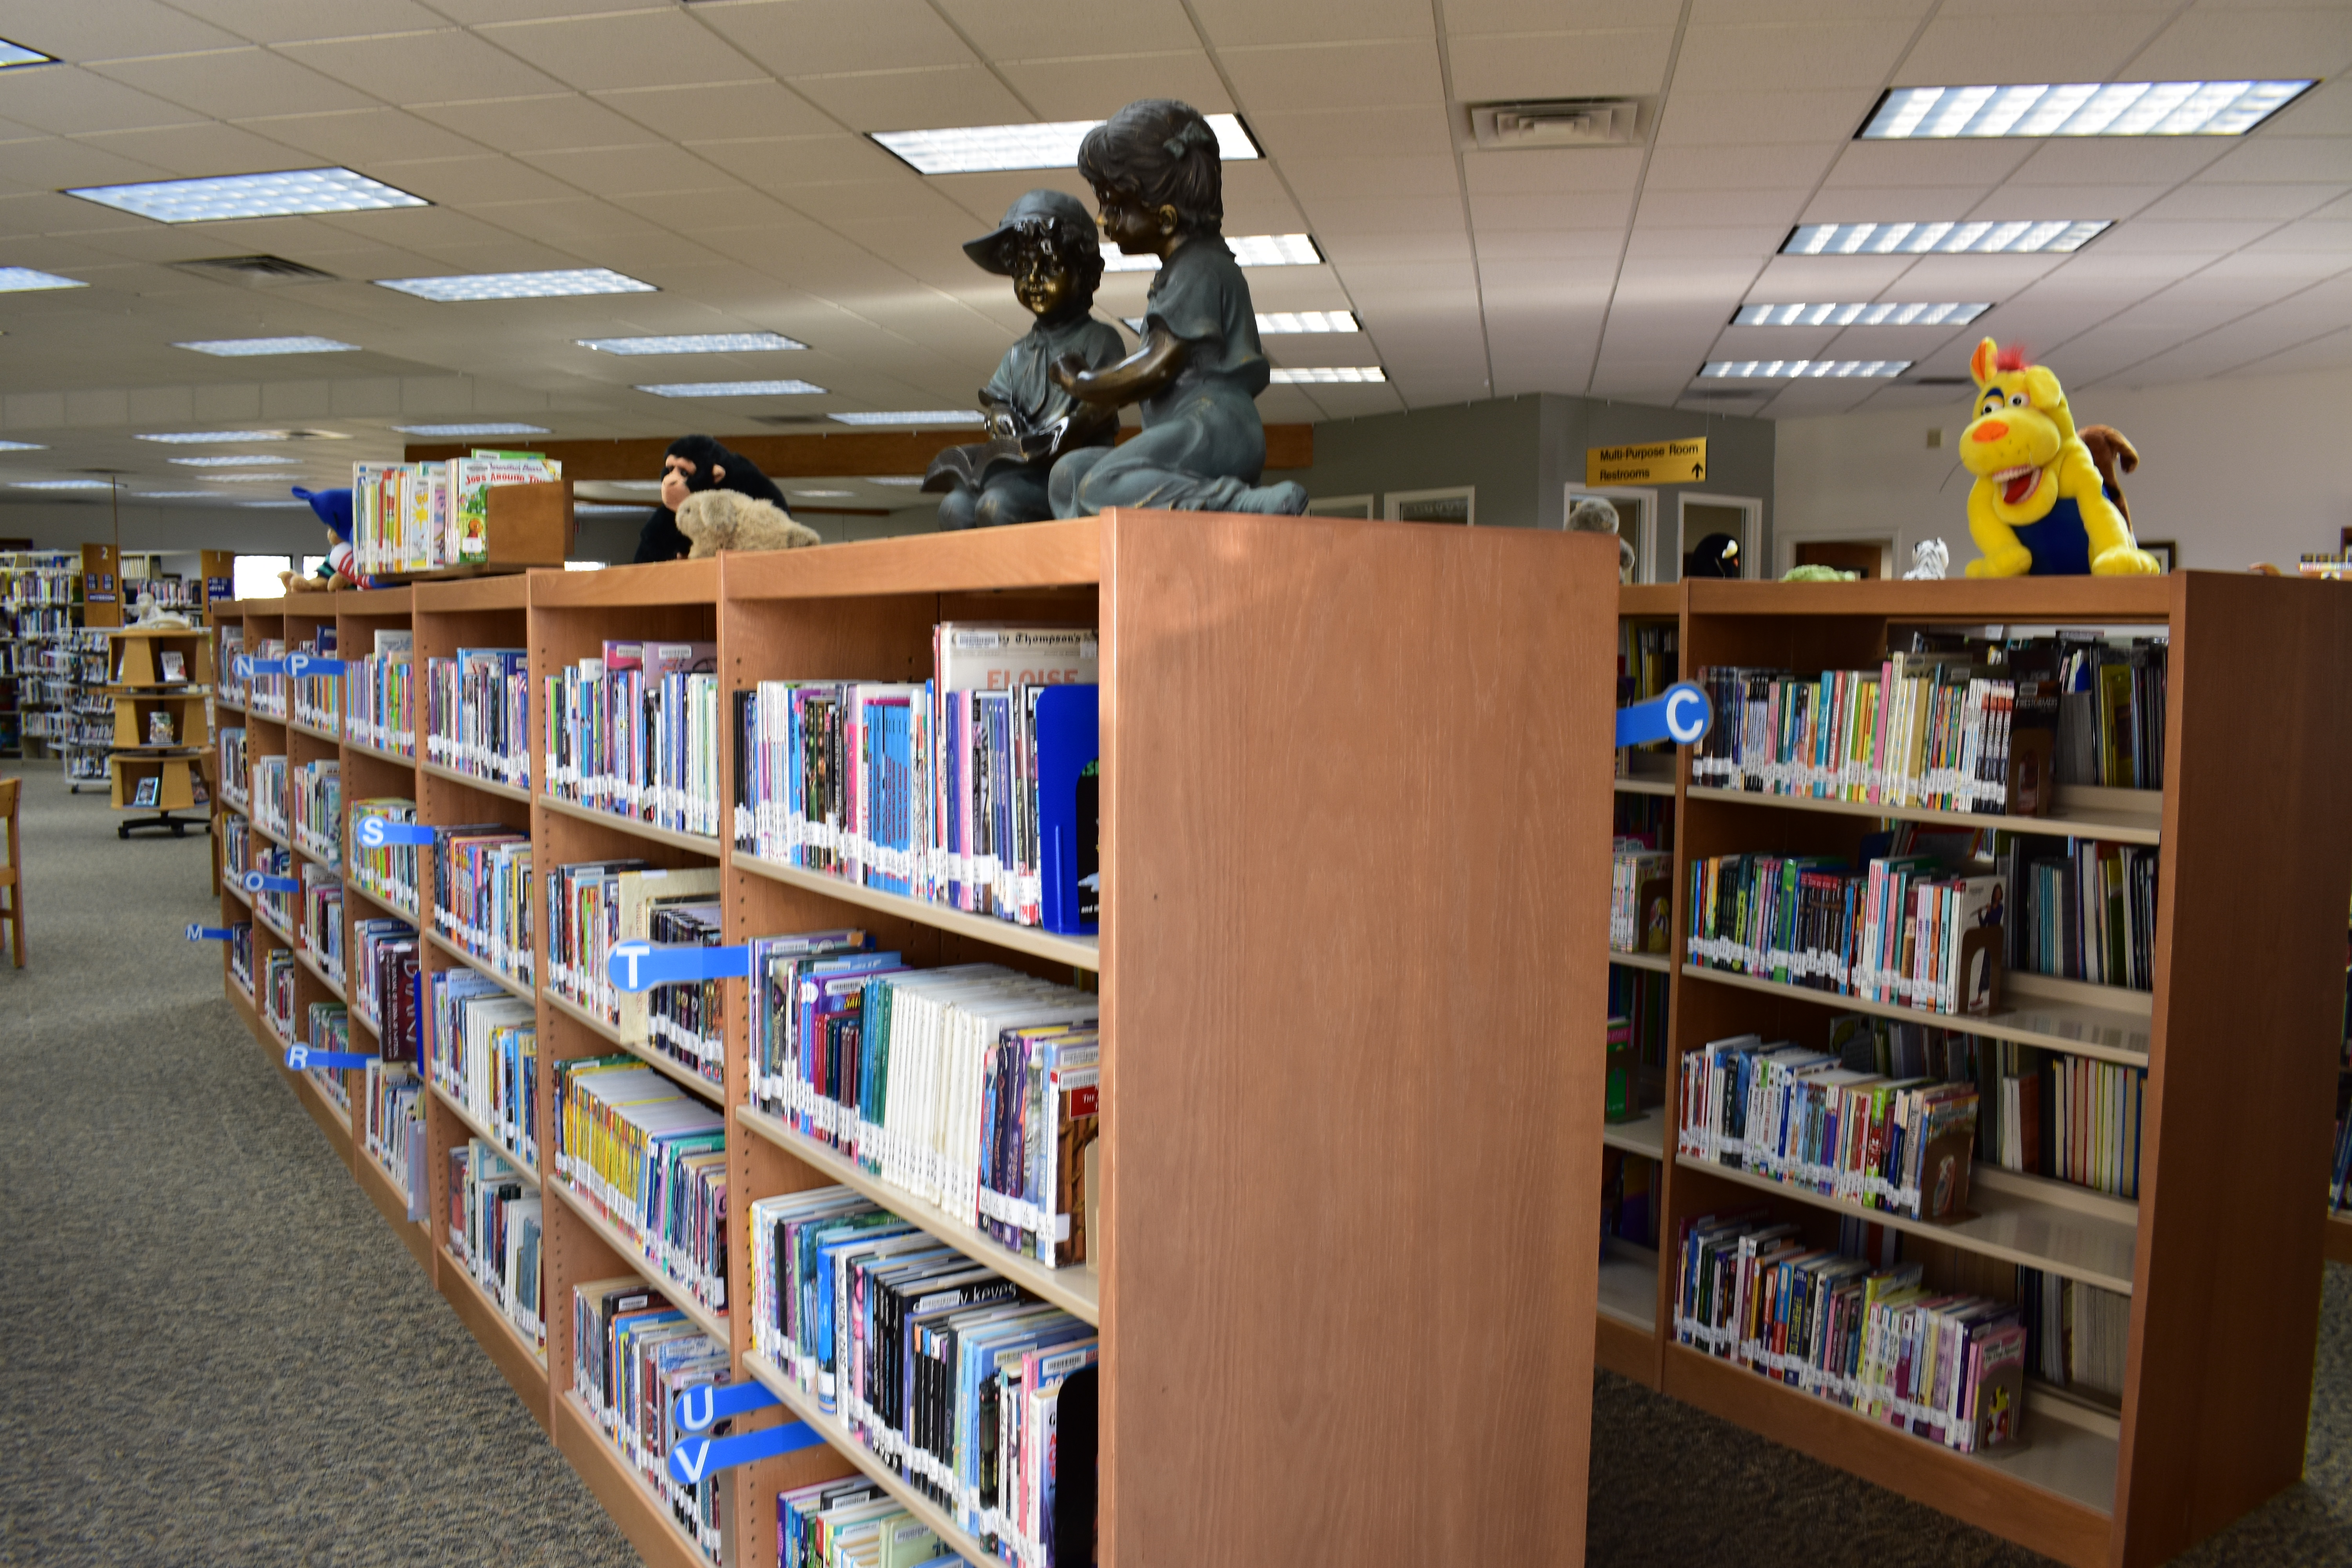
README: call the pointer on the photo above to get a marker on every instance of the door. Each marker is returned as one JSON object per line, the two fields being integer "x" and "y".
{"x": 1739, "y": 516}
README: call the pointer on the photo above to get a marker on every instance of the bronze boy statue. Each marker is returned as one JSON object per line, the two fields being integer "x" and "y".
{"x": 1154, "y": 167}
{"x": 1046, "y": 246}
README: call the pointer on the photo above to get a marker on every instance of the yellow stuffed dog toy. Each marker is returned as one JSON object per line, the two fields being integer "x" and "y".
{"x": 2037, "y": 509}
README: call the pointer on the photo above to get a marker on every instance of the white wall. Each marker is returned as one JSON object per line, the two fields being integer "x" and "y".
{"x": 2234, "y": 471}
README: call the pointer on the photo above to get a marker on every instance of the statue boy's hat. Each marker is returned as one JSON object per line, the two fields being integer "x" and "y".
{"x": 987, "y": 252}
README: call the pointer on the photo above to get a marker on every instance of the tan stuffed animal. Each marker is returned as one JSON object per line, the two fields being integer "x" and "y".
{"x": 724, "y": 519}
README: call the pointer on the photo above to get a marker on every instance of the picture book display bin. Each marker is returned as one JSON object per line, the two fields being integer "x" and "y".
{"x": 2238, "y": 1038}
{"x": 1303, "y": 928}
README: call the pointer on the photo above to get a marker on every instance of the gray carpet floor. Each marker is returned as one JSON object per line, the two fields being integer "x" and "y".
{"x": 218, "y": 1354}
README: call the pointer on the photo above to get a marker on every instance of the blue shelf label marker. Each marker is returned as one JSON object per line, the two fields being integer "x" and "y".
{"x": 197, "y": 932}
{"x": 696, "y": 1458}
{"x": 700, "y": 1408}
{"x": 242, "y": 667}
{"x": 642, "y": 966}
{"x": 383, "y": 833}
{"x": 263, "y": 882}
{"x": 302, "y": 664}
{"x": 1681, "y": 714}
{"x": 299, "y": 1057}
{"x": 254, "y": 667}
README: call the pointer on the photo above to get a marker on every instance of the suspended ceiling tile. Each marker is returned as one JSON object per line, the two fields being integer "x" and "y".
{"x": 634, "y": 171}
{"x": 1804, "y": 277}
{"x": 2114, "y": 203}
{"x": 550, "y": 123}
{"x": 2094, "y": 47}
{"x": 1914, "y": 344}
{"x": 1542, "y": 242}
{"x": 108, "y": 31}
{"x": 577, "y": 226}
{"x": 985, "y": 198}
{"x": 913, "y": 100}
{"x": 1350, "y": 250}
{"x": 1315, "y": 178}
{"x": 1974, "y": 277}
{"x": 2118, "y": 160}
{"x": 2185, "y": 237}
{"x": 2278, "y": 268}
{"x": 441, "y": 67}
{"x": 2307, "y": 236}
{"x": 469, "y": 181}
{"x": 295, "y": 21}
{"x": 1233, "y": 24}
{"x": 2265, "y": 159}
{"x": 190, "y": 150}
{"x": 2254, "y": 203}
{"x": 2333, "y": 351}
{"x": 1715, "y": 209}
{"x": 664, "y": 47}
{"x": 54, "y": 162}
{"x": 1902, "y": 163}
{"x": 1381, "y": 131}
{"x": 1096, "y": 87}
{"x": 357, "y": 138}
{"x": 233, "y": 82}
{"x": 1755, "y": 166}
{"x": 823, "y": 38}
{"x": 2325, "y": 111}
{"x": 62, "y": 216}
{"x": 1617, "y": 62}
{"x": 1772, "y": 342}
{"x": 2224, "y": 43}
{"x": 788, "y": 163}
{"x": 1826, "y": 117}
{"x": 1893, "y": 203}
{"x": 1379, "y": 214}
{"x": 1646, "y": 243}
{"x": 1552, "y": 170}
{"x": 1339, "y": 75}
{"x": 1012, "y": 30}
{"x": 1565, "y": 283}
{"x": 726, "y": 111}
{"x": 64, "y": 101}
{"x": 1853, "y": 53}
{"x": 1610, "y": 210}
{"x": 1469, "y": 17}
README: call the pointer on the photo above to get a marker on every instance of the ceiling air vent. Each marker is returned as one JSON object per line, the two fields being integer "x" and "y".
{"x": 1713, "y": 395}
{"x": 252, "y": 271}
{"x": 794, "y": 420}
{"x": 1561, "y": 123}
{"x": 1938, "y": 381}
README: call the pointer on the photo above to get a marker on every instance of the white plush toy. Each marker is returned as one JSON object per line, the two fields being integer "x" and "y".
{"x": 1929, "y": 560}
{"x": 1594, "y": 515}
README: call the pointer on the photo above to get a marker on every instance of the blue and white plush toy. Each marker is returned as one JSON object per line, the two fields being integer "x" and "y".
{"x": 340, "y": 568}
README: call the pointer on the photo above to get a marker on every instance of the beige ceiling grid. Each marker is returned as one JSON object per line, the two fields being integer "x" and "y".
{"x": 718, "y": 149}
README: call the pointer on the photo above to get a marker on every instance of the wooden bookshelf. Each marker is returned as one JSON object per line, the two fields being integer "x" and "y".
{"x": 1306, "y": 1194}
{"x": 2212, "y": 1416}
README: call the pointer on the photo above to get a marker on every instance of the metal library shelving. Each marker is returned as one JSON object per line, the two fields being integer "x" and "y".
{"x": 1289, "y": 707}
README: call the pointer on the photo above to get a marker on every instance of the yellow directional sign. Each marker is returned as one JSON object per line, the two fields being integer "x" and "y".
{"x": 1648, "y": 463}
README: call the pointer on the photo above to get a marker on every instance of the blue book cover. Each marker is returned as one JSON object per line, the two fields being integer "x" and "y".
{"x": 1070, "y": 808}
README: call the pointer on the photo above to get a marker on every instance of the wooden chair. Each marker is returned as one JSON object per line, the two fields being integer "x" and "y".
{"x": 12, "y": 881}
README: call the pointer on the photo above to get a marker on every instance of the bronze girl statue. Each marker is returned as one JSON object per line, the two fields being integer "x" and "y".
{"x": 1157, "y": 179}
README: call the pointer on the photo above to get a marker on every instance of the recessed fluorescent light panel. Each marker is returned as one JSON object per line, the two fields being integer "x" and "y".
{"x": 246, "y": 478}
{"x": 606, "y": 509}
{"x": 177, "y": 495}
{"x": 898, "y": 481}
{"x": 65, "y": 484}
{"x": 206, "y": 438}
{"x": 704, "y": 344}
{"x": 19, "y": 55}
{"x": 283, "y": 503}
{"x": 1272, "y": 321}
{"x": 1802, "y": 369}
{"x": 1249, "y": 251}
{"x": 245, "y": 348}
{"x": 915, "y": 416}
{"x": 731, "y": 388}
{"x": 991, "y": 149}
{"x": 2017, "y": 237}
{"x": 22, "y": 446}
{"x": 2080, "y": 109}
{"x": 475, "y": 429}
{"x": 1325, "y": 373}
{"x": 820, "y": 494}
{"x": 1880, "y": 315}
{"x": 18, "y": 280}
{"x": 518, "y": 285}
{"x": 235, "y": 460}
{"x": 288, "y": 195}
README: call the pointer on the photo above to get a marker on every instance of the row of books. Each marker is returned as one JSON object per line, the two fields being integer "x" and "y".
{"x": 381, "y": 984}
{"x": 317, "y": 698}
{"x": 938, "y": 789}
{"x": 478, "y": 714}
{"x": 387, "y": 874}
{"x": 975, "y": 1088}
{"x": 276, "y": 910}
{"x": 652, "y": 1160}
{"x": 266, "y": 694}
{"x": 276, "y": 995}
{"x": 321, "y": 929}
{"x": 853, "y": 1523}
{"x": 327, "y": 1026}
{"x": 269, "y": 796}
{"x": 635, "y": 732}
{"x": 1905, "y": 931}
{"x": 633, "y": 1353}
{"x": 980, "y": 1397}
{"x": 236, "y": 847}
{"x": 1802, "y": 1118}
{"x": 592, "y": 908}
{"x": 1636, "y": 869}
{"x": 2065, "y": 1117}
{"x": 380, "y": 697}
{"x": 483, "y": 1050}
{"x": 240, "y": 956}
{"x": 1878, "y": 1341}
{"x": 1918, "y": 731}
{"x": 2089, "y": 908}
{"x": 391, "y": 1128}
{"x": 235, "y": 778}
{"x": 425, "y": 517}
{"x": 314, "y": 795}
{"x": 2077, "y": 1334}
{"x": 229, "y": 685}
{"x": 497, "y": 1231}
{"x": 483, "y": 897}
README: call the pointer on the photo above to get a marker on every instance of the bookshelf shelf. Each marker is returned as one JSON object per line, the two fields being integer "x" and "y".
{"x": 1656, "y": 962}
{"x": 1075, "y": 1290}
{"x": 1647, "y": 1137}
{"x": 523, "y": 1363}
{"x": 804, "y": 1407}
{"x": 1638, "y": 785}
{"x": 2125, "y": 826}
{"x": 387, "y": 1197}
{"x": 1078, "y": 952}
{"x": 378, "y": 753}
{"x": 1629, "y": 1286}
{"x": 2006, "y": 1225}
{"x": 642, "y": 1514}
{"x": 524, "y": 1169}
{"x": 709, "y": 1323}
{"x": 263, "y": 830}
{"x": 2107, "y": 1033}
{"x": 310, "y": 962}
{"x": 318, "y": 732}
{"x": 261, "y": 917}
{"x": 487, "y": 786}
{"x": 693, "y": 841}
{"x": 653, "y": 1056}
{"x": 228, "y": 704}
{"x": 2247, "y": 971}
{"x": 481, "y": 966}
{"x": 352, "y": 890}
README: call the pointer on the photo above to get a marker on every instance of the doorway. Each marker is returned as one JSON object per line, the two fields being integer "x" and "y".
{"x": 1866, "y": 558}
{"x": 1741, "y": 516}
{"x": 1637, "y": 525}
